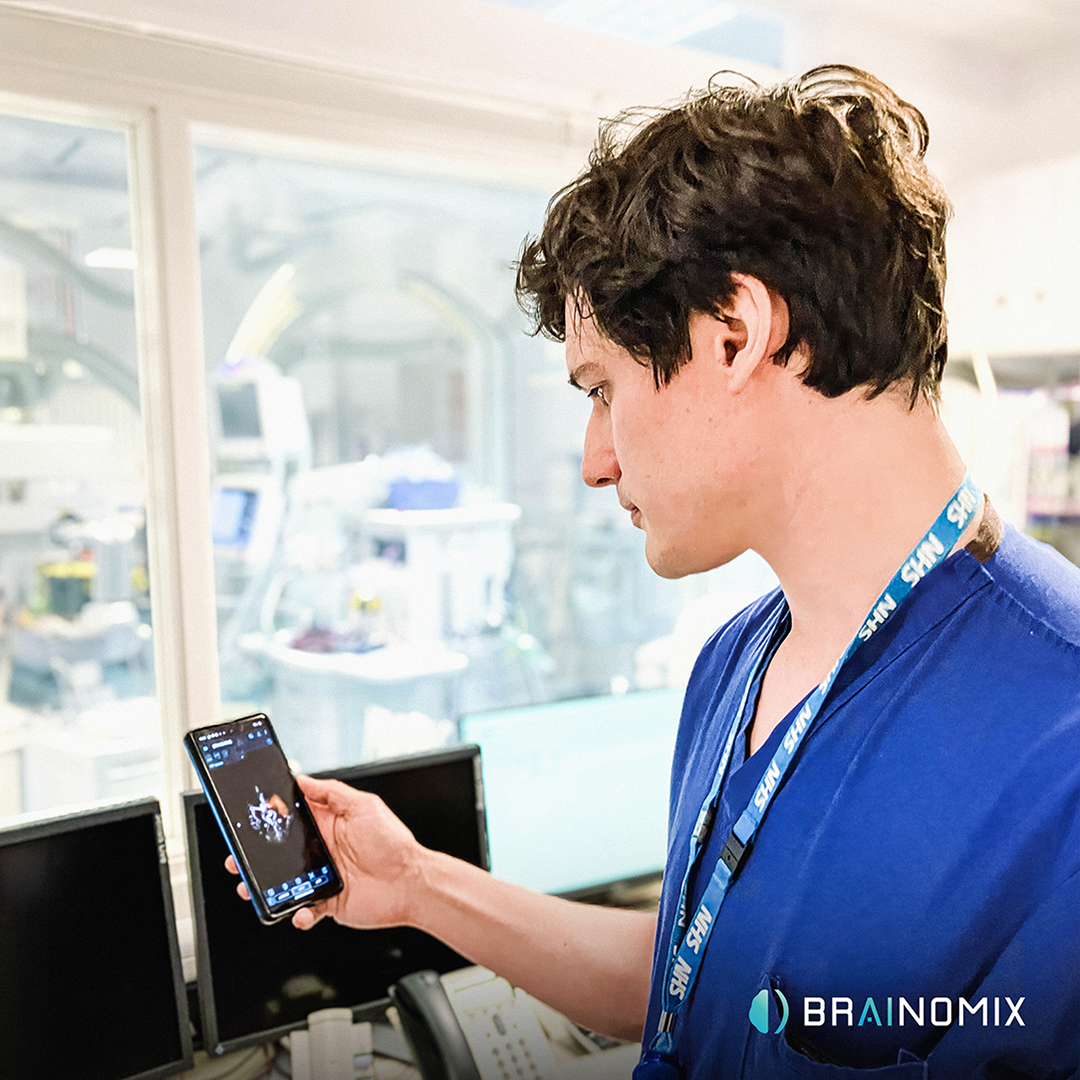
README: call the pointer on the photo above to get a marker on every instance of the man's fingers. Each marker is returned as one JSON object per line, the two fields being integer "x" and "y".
{"x": 307, "y": 917}
{"x": 327, "y": 797}
{"x": 315, "y": 790}
{"x": 333, "y": 794}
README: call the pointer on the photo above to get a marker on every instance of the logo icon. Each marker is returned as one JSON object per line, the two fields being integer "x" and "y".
{"x": 759, "y": 1011}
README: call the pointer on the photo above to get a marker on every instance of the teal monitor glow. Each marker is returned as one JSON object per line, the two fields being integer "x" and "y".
{"x": 577, "y": 791}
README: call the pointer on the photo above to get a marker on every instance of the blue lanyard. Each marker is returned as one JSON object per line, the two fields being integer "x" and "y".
{"x": 688, "y": 940}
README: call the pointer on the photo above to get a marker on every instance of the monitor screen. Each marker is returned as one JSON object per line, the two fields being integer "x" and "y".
{"x": 239, "y": 404}
{"x": 577, "y": 791}
{"x": 232, "y": 515}
{"x": 257, "y": 982}
{"x": 90, "y": 977}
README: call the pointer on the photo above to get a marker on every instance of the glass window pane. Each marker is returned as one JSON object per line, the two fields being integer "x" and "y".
{"x": 401, "y": 533}
{"x": 78, "y": 716}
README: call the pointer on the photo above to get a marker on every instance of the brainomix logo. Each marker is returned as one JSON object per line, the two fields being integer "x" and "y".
{"x": 890, "y": 1012}
{"x": 759, "y": 1012}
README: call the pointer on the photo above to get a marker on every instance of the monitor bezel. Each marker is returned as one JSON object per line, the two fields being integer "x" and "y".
{"x": 22, "y": 831}
{"x": 203, "y": 967}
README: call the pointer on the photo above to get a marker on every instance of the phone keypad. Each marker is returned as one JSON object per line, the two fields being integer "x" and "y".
{"x": 510, "y": 1053}
{"x": 503, "y": 1032}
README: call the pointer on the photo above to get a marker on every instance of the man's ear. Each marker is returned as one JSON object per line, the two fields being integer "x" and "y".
{"x": 746, "y": 331}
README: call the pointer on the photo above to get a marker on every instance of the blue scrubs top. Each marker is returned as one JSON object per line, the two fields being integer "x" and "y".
{"x": 921, "y": 857}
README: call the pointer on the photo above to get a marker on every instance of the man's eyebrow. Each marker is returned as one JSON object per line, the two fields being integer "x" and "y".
{"x": 581, "y": 370}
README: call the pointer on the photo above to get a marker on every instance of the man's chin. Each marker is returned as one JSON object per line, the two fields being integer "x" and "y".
{"x": 663, "y": 562}
{"x": 670, "y": 564}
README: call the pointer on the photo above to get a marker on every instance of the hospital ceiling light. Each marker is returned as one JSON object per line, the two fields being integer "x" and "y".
{"x": 111, "y": 258}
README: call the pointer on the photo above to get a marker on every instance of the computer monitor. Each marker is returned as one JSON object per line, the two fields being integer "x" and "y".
{"x": 246, "y": 511}
{"x": 577, "y": 791}
{"x": 232, "y": 516}
{"x": 241, "y": 416}
{"x": 90, "y": 976}
{"x": 262, "y": 425}
{"x": 258, "y": 982}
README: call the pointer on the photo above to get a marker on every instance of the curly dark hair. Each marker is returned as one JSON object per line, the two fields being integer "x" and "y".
{"x": 817, "y": 187}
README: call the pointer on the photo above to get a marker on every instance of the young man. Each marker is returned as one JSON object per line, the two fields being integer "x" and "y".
{"x": 874, "y": 858}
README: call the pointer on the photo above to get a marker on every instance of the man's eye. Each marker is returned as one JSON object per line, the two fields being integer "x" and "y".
{"x": 597, "y": 393}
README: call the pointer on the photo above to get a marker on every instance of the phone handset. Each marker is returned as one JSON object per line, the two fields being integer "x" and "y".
{"x": 472, "y": 1025}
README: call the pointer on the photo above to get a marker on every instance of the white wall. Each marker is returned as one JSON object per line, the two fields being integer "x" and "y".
{"x": 996, "y": 79}
{"x": 454, "y": 50}
{"x": 486, "y": 48}
{"x": 1014, "y": 262}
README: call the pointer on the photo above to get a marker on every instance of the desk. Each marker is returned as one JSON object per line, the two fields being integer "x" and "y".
{"x": 252, "y": 1063}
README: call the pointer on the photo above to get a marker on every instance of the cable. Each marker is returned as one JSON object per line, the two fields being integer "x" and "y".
{"x": 271, "y": 1062}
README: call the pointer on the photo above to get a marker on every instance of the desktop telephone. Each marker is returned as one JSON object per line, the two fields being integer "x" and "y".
{"x": 472, "y": 1025}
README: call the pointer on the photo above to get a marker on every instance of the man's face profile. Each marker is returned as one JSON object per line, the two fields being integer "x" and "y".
{"x": 673, "y": 454}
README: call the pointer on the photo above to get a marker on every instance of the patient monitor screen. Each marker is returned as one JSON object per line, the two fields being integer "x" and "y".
{"x": 232, "y": 516}
{"x": 239, "y": 404}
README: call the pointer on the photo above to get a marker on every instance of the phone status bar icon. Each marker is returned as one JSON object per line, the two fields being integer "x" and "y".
{"x": 218, "y": 752}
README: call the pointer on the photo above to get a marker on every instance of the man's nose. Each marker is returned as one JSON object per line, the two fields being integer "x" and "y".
{"x": 599, "y": 465}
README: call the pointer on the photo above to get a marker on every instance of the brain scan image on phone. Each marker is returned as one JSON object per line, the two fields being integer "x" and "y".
{"x": 270, "y": 817}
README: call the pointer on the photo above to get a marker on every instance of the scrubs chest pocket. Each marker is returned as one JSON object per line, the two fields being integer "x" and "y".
{"x": 771, "y": 1057}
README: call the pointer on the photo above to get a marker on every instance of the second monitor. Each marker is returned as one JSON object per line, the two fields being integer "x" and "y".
{"x": 258, "y": 982}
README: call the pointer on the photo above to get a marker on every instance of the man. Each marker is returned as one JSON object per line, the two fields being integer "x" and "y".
{"x": 878, "y": 763}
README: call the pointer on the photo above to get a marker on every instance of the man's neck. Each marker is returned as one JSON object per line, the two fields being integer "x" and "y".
{"x": 861, "y": 482}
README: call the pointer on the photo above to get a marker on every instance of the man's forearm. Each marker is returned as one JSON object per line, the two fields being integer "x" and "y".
{"x": 589, "y": 962}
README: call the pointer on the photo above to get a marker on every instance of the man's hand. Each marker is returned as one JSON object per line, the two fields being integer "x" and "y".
{"x": 377, "y": 856}
{"x": 589, "y": 962}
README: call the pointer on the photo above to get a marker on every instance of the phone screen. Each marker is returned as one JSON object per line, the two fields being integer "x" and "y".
{"x": 263, "y": 814}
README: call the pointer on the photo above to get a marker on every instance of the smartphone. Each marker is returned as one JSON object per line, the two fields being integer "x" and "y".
{"x": 263, "y": 815}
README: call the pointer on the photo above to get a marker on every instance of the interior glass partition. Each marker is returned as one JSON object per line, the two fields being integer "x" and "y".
{"x": 401, "y": 533}
{"x": 78, "y": 712}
